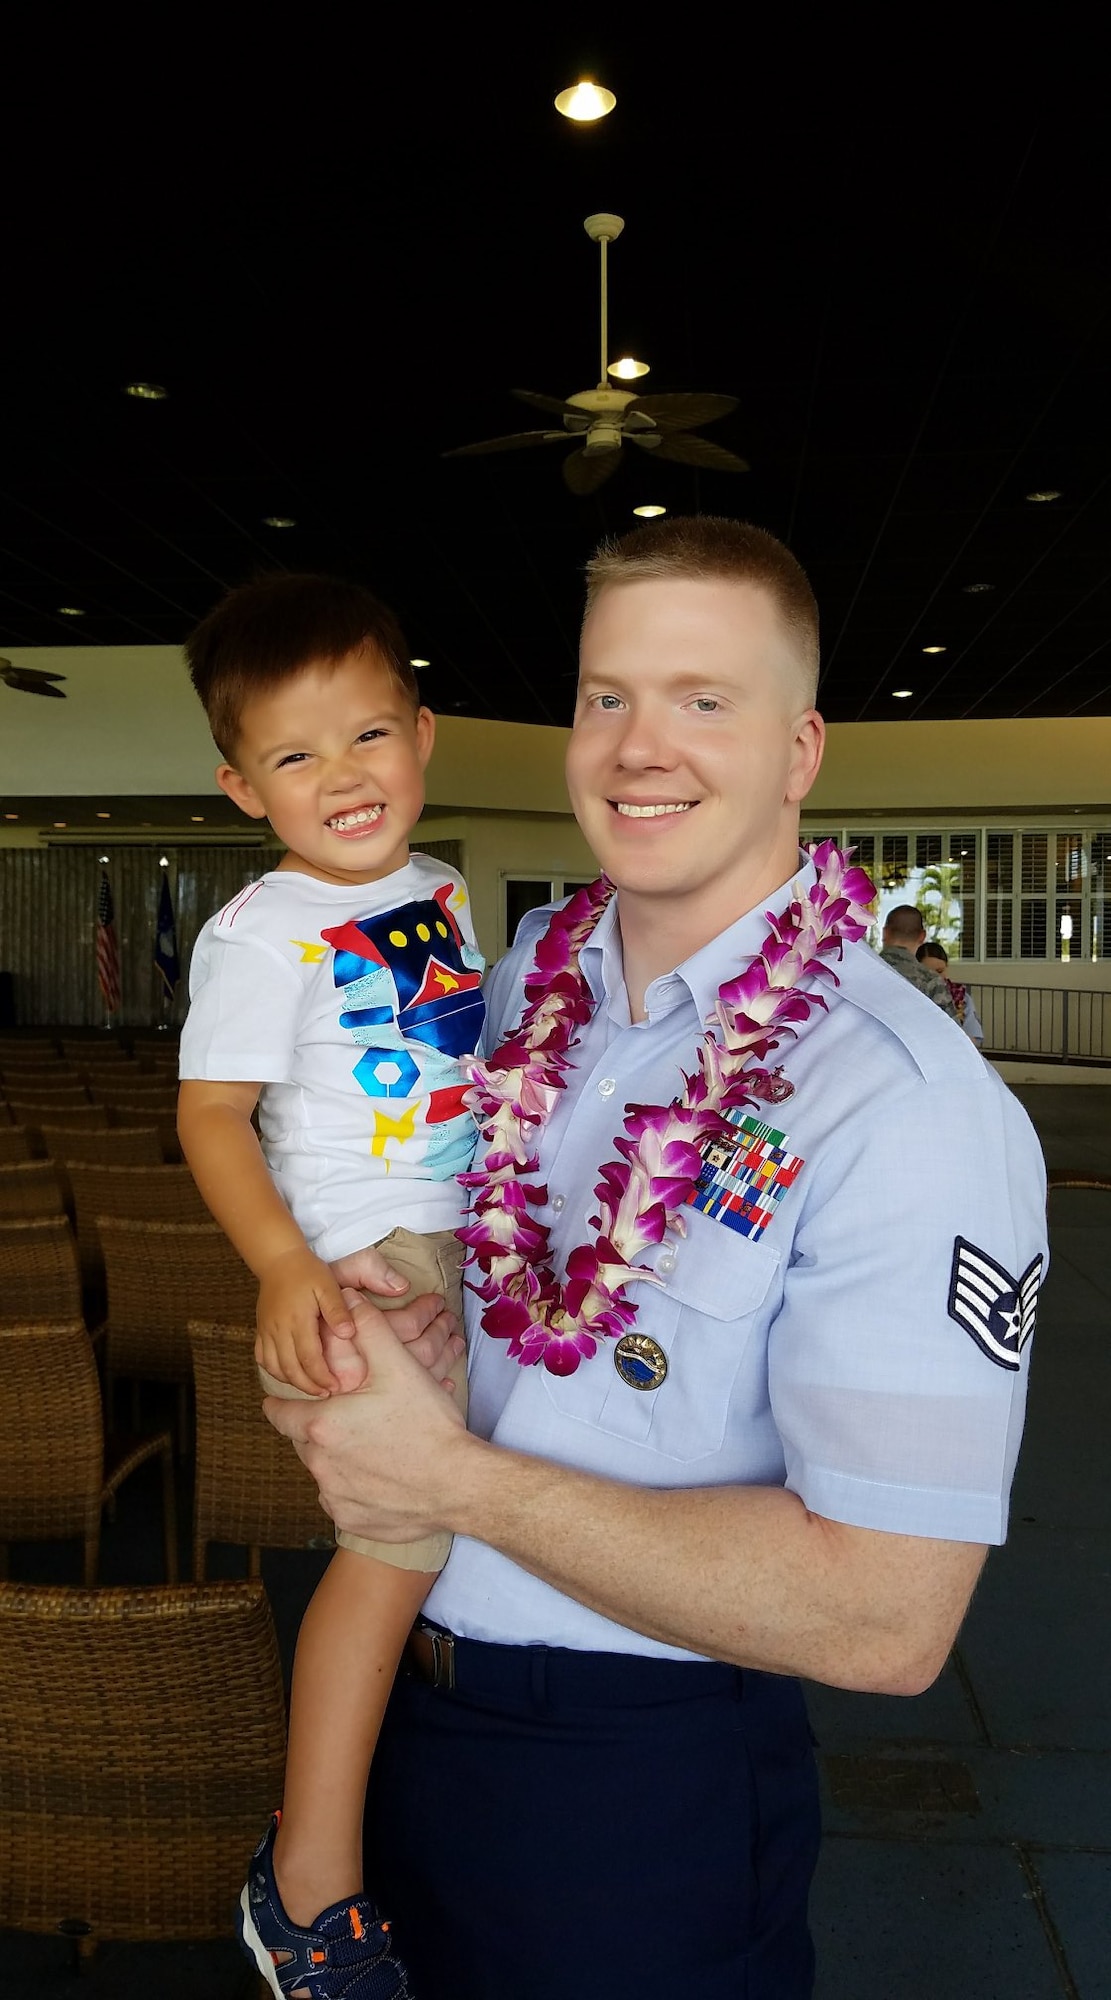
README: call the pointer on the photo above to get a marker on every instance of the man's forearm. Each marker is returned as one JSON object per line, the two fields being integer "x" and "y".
{"x": 745, "y": 1574}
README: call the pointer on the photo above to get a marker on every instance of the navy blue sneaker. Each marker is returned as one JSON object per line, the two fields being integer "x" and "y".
{"x": 345, "y": 1955}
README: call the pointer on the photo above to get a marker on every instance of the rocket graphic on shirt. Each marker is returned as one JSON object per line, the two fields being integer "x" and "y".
{"x": 408, "y": 977}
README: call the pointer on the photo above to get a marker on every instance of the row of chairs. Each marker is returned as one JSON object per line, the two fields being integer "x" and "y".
{"x": 142, "y": 1728}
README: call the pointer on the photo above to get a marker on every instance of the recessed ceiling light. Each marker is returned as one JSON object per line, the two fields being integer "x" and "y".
{"x": 59, "y": 822}
{"x": 585, "y": 101}
{"x": 627, "y": 370}
{"x": 901, "y": 694}
{"x": 71, "y": 611}
{"x": 145, "y": 392}
{"x": 934, "y": 649}
{"x": 11, "y": 815}
{"x": 1044, "y": 493}
{"x": 420, "y": 663}
{"x": 104, "y": 815}
{"x": 278, "y": 521}
{"x": 976, "y": 589}
{"x": 197, "y": 819}
{"x": 649, "y": 513}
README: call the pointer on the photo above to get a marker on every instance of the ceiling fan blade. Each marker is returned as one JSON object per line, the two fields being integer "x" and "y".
{"x": 584, "y": 472}
{"x": 550, "y": 403}
{"x": 514, "y": 442}
{"x": 683, "y": 412}
{"x": 23, "y": 685}
{"x": 699, "y": 451}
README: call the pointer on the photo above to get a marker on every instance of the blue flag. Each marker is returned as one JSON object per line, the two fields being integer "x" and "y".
{"x": 165, "y": 939}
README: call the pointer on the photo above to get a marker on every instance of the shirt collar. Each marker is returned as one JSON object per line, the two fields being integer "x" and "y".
{"x": 705, "y": 971}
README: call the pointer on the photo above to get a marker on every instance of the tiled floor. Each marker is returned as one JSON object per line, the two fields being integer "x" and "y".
{"x": 968, "y": 1844}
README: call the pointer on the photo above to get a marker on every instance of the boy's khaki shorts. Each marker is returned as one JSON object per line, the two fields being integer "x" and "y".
{"x": 432, "y": 1263}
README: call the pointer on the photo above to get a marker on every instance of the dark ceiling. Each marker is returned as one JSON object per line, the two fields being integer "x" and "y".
{"x": 908, "y": 296}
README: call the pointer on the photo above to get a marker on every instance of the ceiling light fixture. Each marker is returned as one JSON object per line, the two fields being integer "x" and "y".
{"x": 628, "y": 370}
{"x": 901, "y": 694}
{"x": 976, "y": 589}
{"x": 584, "y": 102}
{"x": 11, "y": 815}
{"x": 145, "y": 392}
{"x": 649, "y": 513}
{"x": 197, "y": 819}
{"x": 71, "y": 611}
{"x": 278, "y": 521}
{"x": 104, "y": 815}
{"x": 935, "y": 649}
{"x": 420, "y": 663}
{"x": 59, "y": 822}
{"x": 1041, "y": 493}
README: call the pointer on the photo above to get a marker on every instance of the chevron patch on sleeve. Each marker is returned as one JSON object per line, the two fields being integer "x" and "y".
{"x": 996, "y": 1309}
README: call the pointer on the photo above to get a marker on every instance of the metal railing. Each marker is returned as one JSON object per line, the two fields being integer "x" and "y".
{"x": 1049, "y": 1022}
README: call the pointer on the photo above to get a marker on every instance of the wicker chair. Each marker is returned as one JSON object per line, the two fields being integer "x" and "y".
{"x": 75, "y": 1117}
{"x": 55, "y": 1482}
{"x": 39, "y": 1276}
{"x": 39, "y": 1090}
{"x": 251, "y": 1487}
{"x": 15, "y": 1143}
{"x": 138, "y": 1192}
{"x": 142, "y": 1736}
{"x": 160, "y": 1275}
{"x": 30, "y": 1187}
{"x": 92, "y": 1048}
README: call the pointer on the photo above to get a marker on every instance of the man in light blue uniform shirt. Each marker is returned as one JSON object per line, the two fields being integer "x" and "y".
{"x": 599, "y": 1778}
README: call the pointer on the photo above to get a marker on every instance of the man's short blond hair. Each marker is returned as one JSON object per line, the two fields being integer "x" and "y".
{"x": 708, "y": 547}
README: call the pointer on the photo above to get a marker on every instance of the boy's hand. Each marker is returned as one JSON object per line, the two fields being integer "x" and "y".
{"x": 295, "y": 1292}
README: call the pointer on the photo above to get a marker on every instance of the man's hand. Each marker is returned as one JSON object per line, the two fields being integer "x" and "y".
{"x": 297, "y": 1295}
{"x": 368, "y": 1271}
{"x": 423, "y": 1326}
{"x": 383, "y": 1459}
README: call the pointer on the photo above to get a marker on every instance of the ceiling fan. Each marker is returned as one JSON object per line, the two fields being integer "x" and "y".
{"x": 31, "y": 680}
{"x": 600, "y": 420}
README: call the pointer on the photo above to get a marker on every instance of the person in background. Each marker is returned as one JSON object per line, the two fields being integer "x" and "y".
{"x": 903, "y": 932}
{"x": 935, "y": 958}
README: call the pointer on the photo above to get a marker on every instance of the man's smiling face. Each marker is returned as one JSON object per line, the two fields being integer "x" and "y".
{"x": 692, "y": 745}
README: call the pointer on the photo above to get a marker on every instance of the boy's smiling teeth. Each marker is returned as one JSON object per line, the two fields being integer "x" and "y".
{"x": 365, "y": 816}
{"x": 653, "y": 812}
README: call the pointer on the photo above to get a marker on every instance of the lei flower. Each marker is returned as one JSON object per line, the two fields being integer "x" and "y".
{"x": 641, "y": 1193}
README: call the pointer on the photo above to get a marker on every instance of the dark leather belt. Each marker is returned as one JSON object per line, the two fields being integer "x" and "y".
{"x": 430, "y": 1655}
{"x": 551, "y": 1673}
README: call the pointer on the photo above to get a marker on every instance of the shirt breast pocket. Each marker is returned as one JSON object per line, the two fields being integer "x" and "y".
{"x": 714, "y": 1302}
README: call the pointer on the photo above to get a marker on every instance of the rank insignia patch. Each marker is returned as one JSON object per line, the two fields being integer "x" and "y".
{"x": 742, "y": 1180}
{"x": 996, "y": 1309}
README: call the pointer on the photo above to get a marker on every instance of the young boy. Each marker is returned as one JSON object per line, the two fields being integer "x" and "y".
{"x": 337, "y": 994}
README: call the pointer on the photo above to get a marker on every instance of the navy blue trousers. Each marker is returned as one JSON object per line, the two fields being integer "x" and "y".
{"x": 598, "y": 1825}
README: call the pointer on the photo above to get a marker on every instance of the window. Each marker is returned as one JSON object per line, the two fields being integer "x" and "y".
{"x": 994, "y": 893}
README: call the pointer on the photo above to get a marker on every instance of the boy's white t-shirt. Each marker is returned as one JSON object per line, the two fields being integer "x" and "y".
{"x": 351, "y": 1007}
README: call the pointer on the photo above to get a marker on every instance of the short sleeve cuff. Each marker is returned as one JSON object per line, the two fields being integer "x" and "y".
{"x": 902, "y": 1510}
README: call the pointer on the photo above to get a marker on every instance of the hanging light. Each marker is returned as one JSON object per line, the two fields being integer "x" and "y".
{"x": 627, "y": 370}
{"x": 584, "y": 102}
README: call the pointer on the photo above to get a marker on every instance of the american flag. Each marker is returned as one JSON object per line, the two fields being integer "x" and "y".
{"x": 107, "y": 949}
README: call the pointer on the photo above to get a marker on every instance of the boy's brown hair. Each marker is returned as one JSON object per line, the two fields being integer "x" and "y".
{"x": 265, "y": 631}
{"x": 706, "y": 547}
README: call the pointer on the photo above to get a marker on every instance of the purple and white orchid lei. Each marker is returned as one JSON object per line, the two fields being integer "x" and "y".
{"x": 641, "y": 1195}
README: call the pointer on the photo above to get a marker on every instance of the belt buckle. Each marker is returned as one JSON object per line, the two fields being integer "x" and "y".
{"x": 443, "y": 1658}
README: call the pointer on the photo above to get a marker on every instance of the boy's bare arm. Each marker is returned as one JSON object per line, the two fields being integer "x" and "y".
{"x": 295, "y": 1287}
